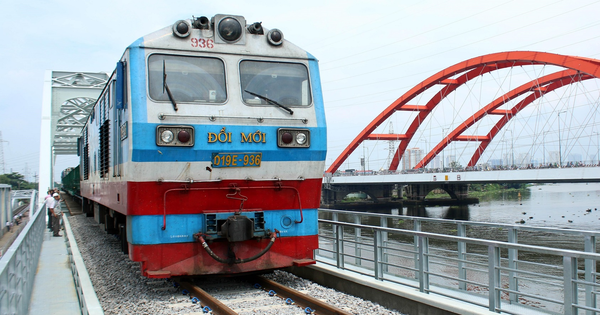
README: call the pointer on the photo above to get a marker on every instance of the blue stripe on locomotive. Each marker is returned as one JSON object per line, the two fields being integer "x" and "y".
{"x": 146, "y": 230}
{"x": 146, "y": 149}
{"x": 315, "y": 79}
{"x": 137, "y": 73}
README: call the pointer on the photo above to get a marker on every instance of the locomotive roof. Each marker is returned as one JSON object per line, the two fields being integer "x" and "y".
{"x": 208, "y": 40}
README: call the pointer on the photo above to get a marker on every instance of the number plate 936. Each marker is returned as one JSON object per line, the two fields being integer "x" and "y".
{"x": 236, "y": 159}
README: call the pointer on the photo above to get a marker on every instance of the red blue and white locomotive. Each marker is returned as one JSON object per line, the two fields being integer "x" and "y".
{"x": 205, "y": 151}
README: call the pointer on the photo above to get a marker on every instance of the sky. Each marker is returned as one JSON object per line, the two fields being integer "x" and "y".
{"x": 370, "y": 52}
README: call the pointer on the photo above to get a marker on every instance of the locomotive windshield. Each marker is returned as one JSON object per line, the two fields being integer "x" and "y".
{"x": 285, "y": 83}
{"x": 190, "y": 79}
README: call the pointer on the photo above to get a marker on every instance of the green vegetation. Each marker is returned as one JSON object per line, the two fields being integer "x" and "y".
{"x": 16, "y": 181}
{"x": 480, "y": 190}
{"x": 352, "y": 199}
{"x": 488, "y": 191}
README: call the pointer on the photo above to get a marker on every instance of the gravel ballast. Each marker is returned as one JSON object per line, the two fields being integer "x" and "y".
{"x": 122, "y": 290}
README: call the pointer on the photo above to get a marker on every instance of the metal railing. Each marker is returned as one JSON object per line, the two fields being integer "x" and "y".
{"x": 479, "y": 263}
{"x": 5, "y": 208}
{"x": 18, "y": 265}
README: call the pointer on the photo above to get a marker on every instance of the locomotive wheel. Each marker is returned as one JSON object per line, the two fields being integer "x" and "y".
{"x": 110, "y": 224}
{"x": 123, "y": 238}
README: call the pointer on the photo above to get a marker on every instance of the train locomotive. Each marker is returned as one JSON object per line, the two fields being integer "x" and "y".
{"x": 206, "y": 149}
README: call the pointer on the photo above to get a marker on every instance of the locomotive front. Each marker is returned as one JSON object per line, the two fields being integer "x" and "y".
{"x": 218, "y": 152}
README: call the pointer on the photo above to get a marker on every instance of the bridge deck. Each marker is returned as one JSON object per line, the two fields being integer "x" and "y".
{"x": 53, "y": 289}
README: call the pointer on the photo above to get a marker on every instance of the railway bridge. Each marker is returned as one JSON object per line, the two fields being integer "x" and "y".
{"x": 416, "y": 186}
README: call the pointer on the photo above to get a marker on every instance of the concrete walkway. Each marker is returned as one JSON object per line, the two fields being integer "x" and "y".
{"x": 53, "y": 289}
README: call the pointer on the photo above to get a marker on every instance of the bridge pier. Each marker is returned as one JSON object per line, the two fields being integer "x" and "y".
{"x": 420, "y": 191}
{"x": 377, "y": 193}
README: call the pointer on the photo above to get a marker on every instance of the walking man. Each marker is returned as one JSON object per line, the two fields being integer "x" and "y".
{"x": 49, "y": 197}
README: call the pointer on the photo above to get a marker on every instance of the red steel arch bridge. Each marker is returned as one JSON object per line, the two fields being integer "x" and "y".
{"x": 515, "y": 110}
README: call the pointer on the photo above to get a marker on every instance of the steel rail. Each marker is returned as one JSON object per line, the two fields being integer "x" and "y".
{"x": 300, "y": 298}
{"x": 205, "y": 299}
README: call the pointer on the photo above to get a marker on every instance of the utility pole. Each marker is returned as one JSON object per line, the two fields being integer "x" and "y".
{"x": 2, "y": 155}
{"x": 391, "y": 147}
{"x": 559, "y": 148}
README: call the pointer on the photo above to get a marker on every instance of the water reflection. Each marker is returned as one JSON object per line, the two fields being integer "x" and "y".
{"x": 457, "y": 213}
{"x": 460, "y": 212}
{"x": 570, "y": 206}
{"x": 416, "y": 211}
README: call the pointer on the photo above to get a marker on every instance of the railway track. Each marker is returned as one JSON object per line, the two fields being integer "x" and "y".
{"x": 253, "y": 295}
{"x": 20, "y": 210}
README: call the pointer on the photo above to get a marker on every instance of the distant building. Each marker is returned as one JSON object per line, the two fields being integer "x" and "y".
{"x": 411, "y": 158}
{"x": 574, "y": 157}
{"x": 495, "y": 162}
{"x": 436, "y": 162}
{"x": 553, "y": 157}
{"x": 523, "y": 159}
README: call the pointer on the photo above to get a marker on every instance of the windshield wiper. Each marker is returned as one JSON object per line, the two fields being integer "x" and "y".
{"x": 165, "y": 86}
{"x": 270, "y": 101}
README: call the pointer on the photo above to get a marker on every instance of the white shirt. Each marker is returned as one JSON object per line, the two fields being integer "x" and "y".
{"x": 52, "y": 203}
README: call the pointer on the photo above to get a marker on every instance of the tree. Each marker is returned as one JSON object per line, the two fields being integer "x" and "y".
{"x": 16, "y": 181}
{"x": 455, "y": 165}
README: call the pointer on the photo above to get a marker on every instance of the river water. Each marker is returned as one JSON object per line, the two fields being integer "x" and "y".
{"x": 561, "y": 206}
{"x": 567, "y": 206}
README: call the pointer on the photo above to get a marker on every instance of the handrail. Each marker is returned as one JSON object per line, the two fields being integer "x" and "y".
{"x": 482, "y": 242}
{"x": 507, "y": 280}
{"x": 18, "y": 265}
{"x": 473, "y": 223}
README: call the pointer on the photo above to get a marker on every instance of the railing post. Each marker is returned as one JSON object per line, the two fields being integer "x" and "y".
{"x": 377, "y": 254}
{"x": 569, "y": 287}
{"x": 357, "y": 240}
{"x": 384, "y": 243}
{"x": 423, "y": 261}
{"x": 461, "y": 255}
{"x": 590, "y": 272}
{"x": 494, "y": 280}
{"x": 417, "y": 227}
{"x": 334, "y": 217}
{"x": 339, "y": 246}
{"x": 513, "y": 257}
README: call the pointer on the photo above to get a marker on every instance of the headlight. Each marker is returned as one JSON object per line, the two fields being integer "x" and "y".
{"x": 166, "y": 136}
{"x": 293, "y": 138}
{"x": 275, "y": 37}
{"x": 229, "y": 29}
{"x": 175, "y": 136}
{"x": 301, "y": 138}
{"x": 182, "y": 28}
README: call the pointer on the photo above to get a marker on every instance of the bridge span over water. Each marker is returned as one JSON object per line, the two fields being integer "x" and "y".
{"x": 454, "y": 183}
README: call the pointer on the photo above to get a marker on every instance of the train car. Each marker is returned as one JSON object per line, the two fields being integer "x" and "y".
{"x": 70, "y": 180}
{"x": 205, "y": 151}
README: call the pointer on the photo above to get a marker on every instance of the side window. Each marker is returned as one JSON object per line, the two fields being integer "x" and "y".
{"x": 190, "y": 79}
{"x": 284, "y": 83}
